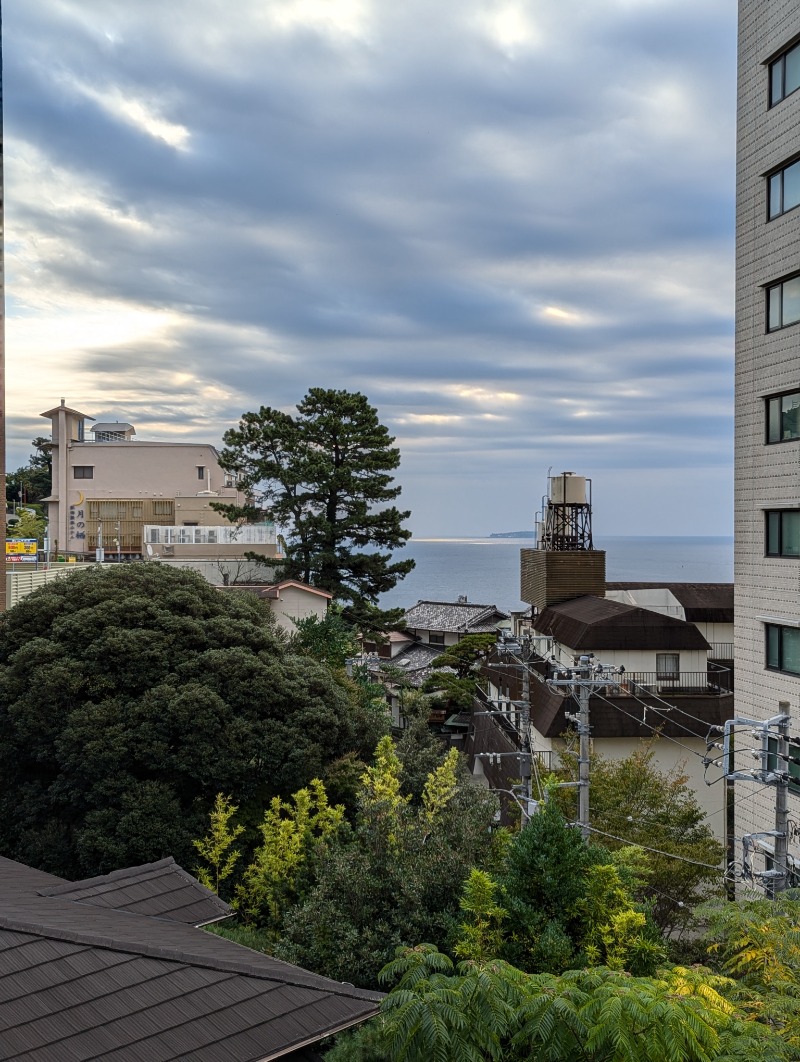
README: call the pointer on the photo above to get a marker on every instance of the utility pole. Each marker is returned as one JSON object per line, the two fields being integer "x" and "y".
{"x": 582, "y": 680}
{"x": 773, "y": 769}
{"x": 525, "y": 724}
{"x": 584, "y": 692}
{"x": 781, "y": 880}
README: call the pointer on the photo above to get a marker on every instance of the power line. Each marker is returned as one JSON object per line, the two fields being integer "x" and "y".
{"x": 655, "y": 851}
{"x": 649, "y": 726}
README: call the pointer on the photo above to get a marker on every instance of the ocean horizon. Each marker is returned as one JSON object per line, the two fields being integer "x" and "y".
{"x": 486, "y": 570}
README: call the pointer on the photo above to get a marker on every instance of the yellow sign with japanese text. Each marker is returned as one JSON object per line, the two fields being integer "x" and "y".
{"x": 21, "y": 549}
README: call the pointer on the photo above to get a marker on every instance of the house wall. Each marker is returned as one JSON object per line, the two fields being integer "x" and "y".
{"x": 214, "y": 570}
{"x": 295, "y": 603}
{"x": 716, "y": 633}
{"x": 691, "y": 660}
{"x": 423, "y": 635}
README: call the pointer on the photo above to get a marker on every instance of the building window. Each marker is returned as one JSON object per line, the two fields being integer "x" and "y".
{"x": 783, "y": 304}
{"x": 784, "y": 190}
{"x": 783, "y": 533}
{"x": 83, "y": 472}
{"x": 668, "y": 666}
{"x": 783, "y": 648}
{"x": 783, "y": 417}
{"x": 784, "y": 75}
{"x": 201, "y": 471}
{"x": 774, "y": 764}
{"x": 436, "y": 638}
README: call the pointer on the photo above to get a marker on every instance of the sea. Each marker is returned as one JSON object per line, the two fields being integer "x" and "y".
{"x": 486, "y": 570}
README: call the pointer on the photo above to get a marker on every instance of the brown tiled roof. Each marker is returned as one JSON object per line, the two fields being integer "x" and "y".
{"x": 162, "y": 889}
{"x": 456, "y": 617}
{"x": 79, "y": 981}
{"x": 593, "y": 623}
{"x": 702, "y": 602}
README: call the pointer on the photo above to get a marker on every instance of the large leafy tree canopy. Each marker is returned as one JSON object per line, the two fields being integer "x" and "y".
{"x": 129, "y": 696}
{"x": 325, "y": 475}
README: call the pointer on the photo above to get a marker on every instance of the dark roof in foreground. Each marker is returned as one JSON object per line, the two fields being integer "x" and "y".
{"x": 82, "y": 978}
{"x": 162, "y": 889}
{"x": 590, "y": 623}
{"x": 702, "y": 602}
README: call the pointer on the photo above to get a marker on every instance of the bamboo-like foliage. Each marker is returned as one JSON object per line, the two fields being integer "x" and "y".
{"x": 290, "y": 831}
{"x": 216, "y": 848}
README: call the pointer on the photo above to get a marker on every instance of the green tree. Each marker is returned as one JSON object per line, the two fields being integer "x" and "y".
{"x": 632, "y": 799}
{"x": 480, "y": 936}
{"x": 216, "y": 848}
{"x": 543, "y": 880}
{"x": 291, "y": 832}
{"x": 325, "y": 474}
{"x": 491, "y": 1011}
{"x": 466, "y": 656}
{"x": 455, "y": 674}
{"x": 557, "y": 902}
{"x": 33, "y": 481}
{"x": 331, "y": 639}
{"x": 396, "y": 877}
{"x": 130, "y": 695}
{"x": 30, "y": 524}
{"x": 758, "y": 943}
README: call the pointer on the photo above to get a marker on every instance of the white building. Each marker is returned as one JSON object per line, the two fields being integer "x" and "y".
{"x": 767, "y": 459}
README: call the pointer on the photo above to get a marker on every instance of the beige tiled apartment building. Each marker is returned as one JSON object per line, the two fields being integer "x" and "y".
{"x": 139, "y": 499}
{"x": 767, "y": 448}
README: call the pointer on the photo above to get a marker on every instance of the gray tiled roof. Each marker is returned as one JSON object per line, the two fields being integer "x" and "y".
{"x": 414, "y": 664}
{"x": 79, "y": 981}
{"x": 457, "y": 617}
{"x": 161, "y": 889}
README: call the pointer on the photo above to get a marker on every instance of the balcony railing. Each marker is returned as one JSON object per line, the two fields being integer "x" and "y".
{"x": 686, "y": 684}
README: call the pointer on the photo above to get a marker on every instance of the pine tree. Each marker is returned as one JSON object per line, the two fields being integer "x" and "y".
{"x": 324, "y": 476}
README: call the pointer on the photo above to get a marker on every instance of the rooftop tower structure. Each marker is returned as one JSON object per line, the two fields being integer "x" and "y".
{"x": 564, "y": 563}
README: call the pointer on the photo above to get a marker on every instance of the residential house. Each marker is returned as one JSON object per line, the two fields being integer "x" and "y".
{"x": 289, "y": 601}
{"x": 404, "y": 661}
{"x": 668, "y": 683}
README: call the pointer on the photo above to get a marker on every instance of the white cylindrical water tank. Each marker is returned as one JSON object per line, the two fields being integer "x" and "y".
{"x": 568, "y": 489}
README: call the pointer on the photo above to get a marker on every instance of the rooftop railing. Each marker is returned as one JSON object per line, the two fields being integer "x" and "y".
{"x": 188, "y": 535}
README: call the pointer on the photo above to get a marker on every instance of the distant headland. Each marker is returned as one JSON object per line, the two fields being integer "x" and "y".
{"x": 513, "y": 534}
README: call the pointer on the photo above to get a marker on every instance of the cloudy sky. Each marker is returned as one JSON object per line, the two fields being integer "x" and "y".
{"x": 507, "y": 222}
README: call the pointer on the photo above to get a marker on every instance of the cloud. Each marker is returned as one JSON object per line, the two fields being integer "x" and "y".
{"x": 509, "y": 224}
